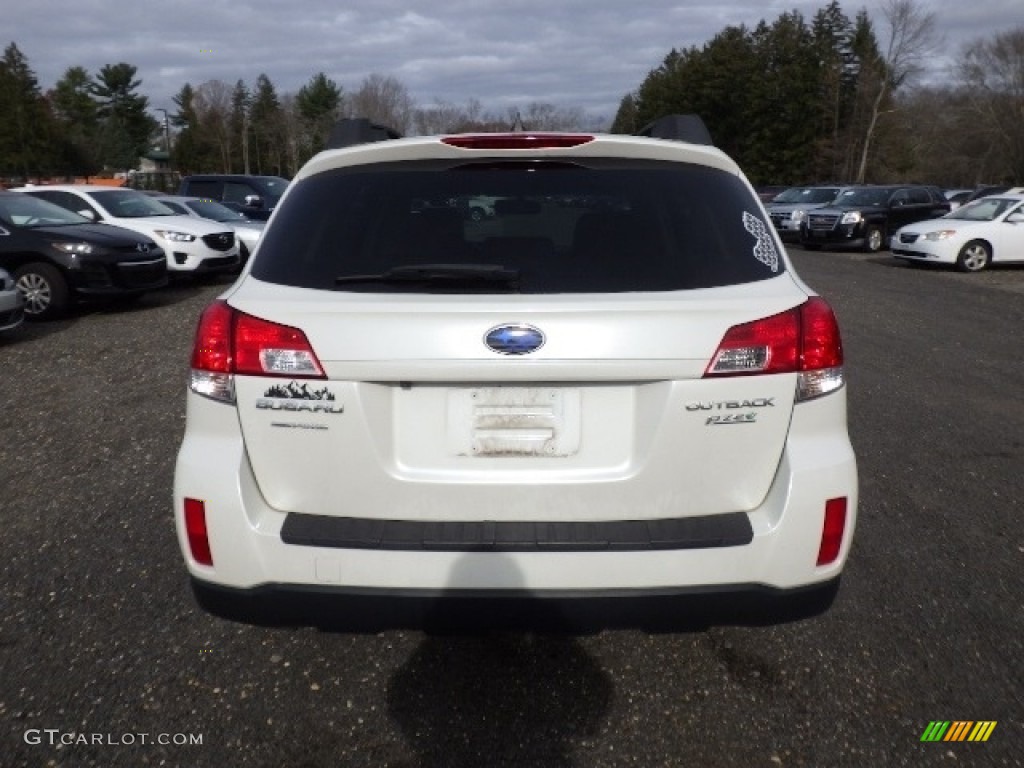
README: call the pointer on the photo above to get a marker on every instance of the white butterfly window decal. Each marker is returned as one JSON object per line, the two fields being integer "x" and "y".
{"x": 764, "y": 248}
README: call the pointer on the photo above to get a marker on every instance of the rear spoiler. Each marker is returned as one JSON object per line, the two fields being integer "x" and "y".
{"x": 688, "y": 128}
{"x": 350, "y": 131}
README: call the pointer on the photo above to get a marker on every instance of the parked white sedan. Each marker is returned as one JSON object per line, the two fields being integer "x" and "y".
{"x": 986, "y": 231}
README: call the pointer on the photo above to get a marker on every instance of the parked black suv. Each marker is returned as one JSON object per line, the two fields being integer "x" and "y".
{"x": 57, "y": 256}
{"x": 867, "y": 216}
{"x": 255, "y": 196}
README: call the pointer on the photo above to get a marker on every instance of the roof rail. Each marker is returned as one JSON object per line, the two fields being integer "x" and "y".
{"x": 350, "y": 131}
{"x": 688, "y": 128}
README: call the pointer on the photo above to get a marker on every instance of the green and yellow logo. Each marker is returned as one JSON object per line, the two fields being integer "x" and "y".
{"x": 958, "y": 730}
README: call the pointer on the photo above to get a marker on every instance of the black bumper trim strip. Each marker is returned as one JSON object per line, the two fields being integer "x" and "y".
{"x": 727, "y": 530}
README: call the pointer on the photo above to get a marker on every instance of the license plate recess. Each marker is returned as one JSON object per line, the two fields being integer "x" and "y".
{"x": 514, "y": 421}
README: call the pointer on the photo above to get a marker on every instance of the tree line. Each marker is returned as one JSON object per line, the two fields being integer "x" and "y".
{"x": 837, "y": 99}
{"x": 832, "y": 98}
{"x": 92, "y": 124}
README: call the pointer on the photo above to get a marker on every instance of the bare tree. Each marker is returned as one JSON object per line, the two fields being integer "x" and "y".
{"x": 442, "y": 117}
{"x": 384, "y": 100}
{"x": 542, "y": 116}
{"x": 993, "y": 73}
{"x": 911, "y": 39}
{"x": 212, "y": 104}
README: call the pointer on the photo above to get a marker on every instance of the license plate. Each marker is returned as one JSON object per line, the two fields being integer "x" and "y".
{"x": 514, "y": 421}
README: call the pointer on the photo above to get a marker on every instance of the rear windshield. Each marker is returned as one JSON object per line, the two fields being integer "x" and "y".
{"x": 524, "y": 227}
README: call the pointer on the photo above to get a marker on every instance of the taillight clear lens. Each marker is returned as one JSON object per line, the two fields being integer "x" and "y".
{"x": 229, "y": 342}
{"x": 804, "y": 340}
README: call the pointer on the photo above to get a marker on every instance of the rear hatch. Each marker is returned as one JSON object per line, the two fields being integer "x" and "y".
{"x": 609, "y": 419}
{"x": 544, "y": 362}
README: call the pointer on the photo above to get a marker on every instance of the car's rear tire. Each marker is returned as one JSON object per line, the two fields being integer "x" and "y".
{"x": 974, "y": 256}
{"x": 873, "y": 240}
{"x": 44, "y": 289}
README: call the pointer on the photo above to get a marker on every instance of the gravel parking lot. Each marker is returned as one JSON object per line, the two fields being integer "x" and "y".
{"x": 106, "y": 661}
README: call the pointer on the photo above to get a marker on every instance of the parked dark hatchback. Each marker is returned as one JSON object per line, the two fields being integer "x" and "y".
{"x": 57, "y": 256}
{"x": 867, "y": 216}
{"x": 255, "y": 196}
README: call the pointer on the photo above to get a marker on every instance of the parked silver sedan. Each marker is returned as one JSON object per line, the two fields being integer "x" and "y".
{"x": 247, "y": 230}
{"x": 12, "y": 303}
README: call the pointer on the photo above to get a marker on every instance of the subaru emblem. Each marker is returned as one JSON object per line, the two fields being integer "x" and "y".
{"x": 514, "y": 339}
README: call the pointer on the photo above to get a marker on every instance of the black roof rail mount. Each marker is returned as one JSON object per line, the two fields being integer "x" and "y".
{"x": 350, "y": 131}
{"x": 688, "y": 128}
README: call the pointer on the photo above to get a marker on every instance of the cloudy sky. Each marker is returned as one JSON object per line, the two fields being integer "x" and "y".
{"x": 570, "y": 53}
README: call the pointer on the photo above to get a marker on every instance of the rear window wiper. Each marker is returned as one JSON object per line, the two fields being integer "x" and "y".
{"x": 438, "y": 273}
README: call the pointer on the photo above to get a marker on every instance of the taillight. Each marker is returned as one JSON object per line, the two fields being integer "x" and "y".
{"x": 263, "y": 348}
{"x": 803, "y": 340}
{"x": 195, "y": 529}
{"x": 518, "y": 140}
{"x": 832, "y": 530}
{"x": 229, "y": 342}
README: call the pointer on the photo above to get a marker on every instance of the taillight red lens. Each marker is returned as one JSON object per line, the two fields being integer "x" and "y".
{"x": 802, "y": 339}
{"x": 821, "y": 345}
{"x": 769, "y": 345}
{"x": 832, "y": 530}
{"x": 195, "y": 528}
{"x": 229, "y": 341}
{"x": 517, "y": 140}
{"x": 212, "y": 349}
{"x": 263, "y": 348}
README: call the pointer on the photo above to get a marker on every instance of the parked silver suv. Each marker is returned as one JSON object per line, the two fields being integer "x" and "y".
{"x": 788, "y": 211}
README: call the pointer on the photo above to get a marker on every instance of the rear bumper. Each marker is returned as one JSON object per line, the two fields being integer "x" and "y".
{"x": 368, "y": 610}
{"x": 252, "y": 558}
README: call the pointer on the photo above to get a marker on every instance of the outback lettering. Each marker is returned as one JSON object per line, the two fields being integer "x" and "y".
{"x": 759, "y": 402}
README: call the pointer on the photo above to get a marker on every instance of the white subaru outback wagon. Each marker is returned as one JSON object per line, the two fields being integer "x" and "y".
{"x": 616, "y": 386}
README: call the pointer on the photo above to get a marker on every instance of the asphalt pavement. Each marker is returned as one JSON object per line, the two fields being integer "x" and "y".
{"x": 105, "y": 660}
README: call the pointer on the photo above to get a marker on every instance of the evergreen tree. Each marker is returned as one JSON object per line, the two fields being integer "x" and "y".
{"x": 185, "y": 156}
{"x": 779, "y": 100}
{"x": 125, "y": 127}
{"x": 318, "y": 104}
{"x": 265, "y": 121}
{"x": 26, "y": 124}
{"x": 837, "y": 78}
{"x": 77, "y": 112}
{"x": 238, "y": 124}
{"x": 625, "y": 118}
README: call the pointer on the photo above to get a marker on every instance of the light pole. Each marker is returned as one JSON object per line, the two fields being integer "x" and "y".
{"x": 167, "y": 137}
